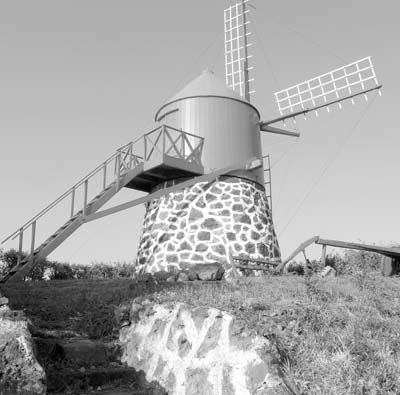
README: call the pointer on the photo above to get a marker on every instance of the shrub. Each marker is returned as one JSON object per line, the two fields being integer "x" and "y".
{"x": 45, "y": 269}
{"x": 353, "y": 262}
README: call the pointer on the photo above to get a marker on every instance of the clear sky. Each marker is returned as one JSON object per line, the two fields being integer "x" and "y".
{"x": 78, "y": 79}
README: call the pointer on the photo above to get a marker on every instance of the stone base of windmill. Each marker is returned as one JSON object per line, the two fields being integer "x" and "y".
{"x": 205, "y": 227}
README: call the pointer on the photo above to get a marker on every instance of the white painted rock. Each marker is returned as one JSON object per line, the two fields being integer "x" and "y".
{"x": 199, "y": 351}
{"x": 328, "y": 271}
{"x": 20, "y": 372}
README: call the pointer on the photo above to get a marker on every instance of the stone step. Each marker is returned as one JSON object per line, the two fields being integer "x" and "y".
{"x": 88, "y": 381}
{"x": 81, "y": 352}
{"x": 120, "y": 391}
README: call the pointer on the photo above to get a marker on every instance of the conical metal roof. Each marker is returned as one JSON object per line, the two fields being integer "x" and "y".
{"x": 207, "y": 84}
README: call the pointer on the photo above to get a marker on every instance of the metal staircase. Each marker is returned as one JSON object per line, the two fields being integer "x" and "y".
{"x": 159, "y": 155}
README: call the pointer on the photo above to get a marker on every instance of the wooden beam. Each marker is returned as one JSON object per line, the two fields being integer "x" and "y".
{"x": 253, "y": 267}
{"x": 250, "y": 164}
{"x": 260, "y": 261}
{"x": 272, "y": 129}
{"x": 297, "y": 251}
{"x": 388, "y": 251}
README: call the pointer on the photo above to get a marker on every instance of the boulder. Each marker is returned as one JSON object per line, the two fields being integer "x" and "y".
{"x": 182, "y": 277}
{"x": 3, "y": 301}
{"x": 21, "y": 373}
{"x": 209, "y": 271}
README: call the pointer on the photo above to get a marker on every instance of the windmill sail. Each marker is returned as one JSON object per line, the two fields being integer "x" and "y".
{"x": 236, "y": 49}
{"x": 354, "y": 79}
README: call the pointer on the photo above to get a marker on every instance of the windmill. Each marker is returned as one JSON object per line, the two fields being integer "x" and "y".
{"x": 202, "y": 168}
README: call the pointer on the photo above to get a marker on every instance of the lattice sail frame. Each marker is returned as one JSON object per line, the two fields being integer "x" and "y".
{"x": 236, "y": 49}
{"x": 340, "y": 84}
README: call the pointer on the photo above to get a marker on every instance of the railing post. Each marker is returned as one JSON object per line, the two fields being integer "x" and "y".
{"x": 183, "y": 138}
{"x": 21, "y": 239}
{"x": 85, "y": 196}
{"x": 163, "y": 132}
{"x": 130, "y": 156}
{"x": 104, "y": 175}
{"x": 145, "y": 147}
{"x": 118, "y": 159}
{"x": 33, "y": 240}
{"x": 72, "y": 202}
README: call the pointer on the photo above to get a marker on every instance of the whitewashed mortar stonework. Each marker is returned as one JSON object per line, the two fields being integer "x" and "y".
{"x": 206, "y": 223}
{"x": 198, "y": 351}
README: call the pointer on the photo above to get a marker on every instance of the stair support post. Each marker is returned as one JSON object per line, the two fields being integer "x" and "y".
{"x": 21, "y": 239}
{"x": 85, "y": 196}
{"x": 323, "y": 256}
{"x": 72, "y": 202}
{"x": 33, "y": 241}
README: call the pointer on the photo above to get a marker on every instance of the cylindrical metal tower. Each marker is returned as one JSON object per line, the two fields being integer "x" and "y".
{"x": 229, "y": 124}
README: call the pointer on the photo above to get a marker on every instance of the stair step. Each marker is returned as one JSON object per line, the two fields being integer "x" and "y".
{"x": 59, "y": 380}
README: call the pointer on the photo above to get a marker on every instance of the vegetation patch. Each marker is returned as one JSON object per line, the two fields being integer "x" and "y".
{"x": 337, "y": 335}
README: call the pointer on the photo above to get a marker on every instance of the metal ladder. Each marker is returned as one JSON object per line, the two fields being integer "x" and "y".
{"x": 268, "y": 182}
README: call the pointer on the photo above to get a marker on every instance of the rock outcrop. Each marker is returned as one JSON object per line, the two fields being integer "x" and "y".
{"x": 198, "y": 351}
{"x": 20, "y": 372}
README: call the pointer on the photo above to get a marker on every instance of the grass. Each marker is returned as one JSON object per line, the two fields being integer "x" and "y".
{"x": 335, "y": 335}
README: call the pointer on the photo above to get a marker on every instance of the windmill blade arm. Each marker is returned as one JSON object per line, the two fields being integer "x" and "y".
{"x": 330, "y": 103}
{"x": 264, "y": 127}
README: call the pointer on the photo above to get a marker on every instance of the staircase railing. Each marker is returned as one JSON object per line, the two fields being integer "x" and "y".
{"x": 164, "y": 139}
{"x": 173, "y": 142}
{"x": 123, "y": 160}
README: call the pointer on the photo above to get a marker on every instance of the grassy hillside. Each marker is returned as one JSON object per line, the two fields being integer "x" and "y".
{"x": 335, "y": 336}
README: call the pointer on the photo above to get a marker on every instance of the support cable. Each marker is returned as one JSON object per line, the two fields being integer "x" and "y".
{"x": 302, "y": 35}
{"x": 327, "y": 166}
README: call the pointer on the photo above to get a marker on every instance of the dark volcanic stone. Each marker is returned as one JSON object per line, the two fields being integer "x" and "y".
{"x": 245, "y": 219}
{"x": 219, "y": 249}
{"x": 231, "y": 236}
{"x": 172, "y": 258}
{"x": 262, "y": 249}
{"x": 195, "y": 215}
{"x": 210, "y": 197}
{"x": 217, "y": 206}
{"x": 185, "y": 246}
{"x": 165, "y": 237}
{"x": 201, "y": 247}
{"x": 204, "y": 236}
{"x": 211, "y": 223}
{"x": 224, "y": 213}
{"x": 200, "y": 203}
{"x": 250, "y": 248}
